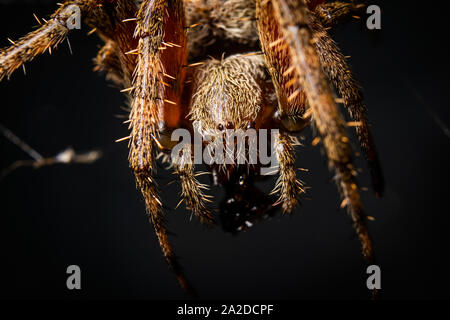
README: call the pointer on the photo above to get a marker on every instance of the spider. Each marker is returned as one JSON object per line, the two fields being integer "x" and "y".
{"x": 212, "y": 65}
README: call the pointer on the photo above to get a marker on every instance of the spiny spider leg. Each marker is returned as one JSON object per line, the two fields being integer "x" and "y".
{"x": 118, "y": 57}
{"x": 123, "y": 26}
{"x": 157, "y": 103}
{"x": 330, "y": 14}
{"x": 291, "y": 99}
{"x": 335, "y": 66}
{"x": 107, "y": 24}
{"x": 48, "y": 36}
{"x": 291, "y": 104}
{"x": 108, "y": 61}
{"x": 292, "y": 17}
{"x": 191, "y": 188}
{"x": 288, "y": 186}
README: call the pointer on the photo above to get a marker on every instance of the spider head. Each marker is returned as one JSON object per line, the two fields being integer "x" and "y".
{"x": 226, "y": 96}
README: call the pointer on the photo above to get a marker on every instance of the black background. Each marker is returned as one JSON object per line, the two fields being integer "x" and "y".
{"x": 92, "y": 216}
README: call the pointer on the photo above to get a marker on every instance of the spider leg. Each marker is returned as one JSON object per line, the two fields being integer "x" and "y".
{"x": 288, "y": 186}
{"x": 118, "y": 56}
{"x": 291, "y": 99}
{"x": 292, "y": 21}
{"x": 106, "y": 19}
{"x": 191, "y": 188}
{"x": 121, "y": 32}
{"x": 108, "y": 61}
{"x": 330, "y": 14}
{"x": 156, "y": 103}
{"x": 335, "y": 66}
{"x": 47, "y": 37}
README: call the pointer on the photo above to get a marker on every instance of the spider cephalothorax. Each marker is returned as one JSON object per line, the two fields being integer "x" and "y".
{"x": 209, "y": 66}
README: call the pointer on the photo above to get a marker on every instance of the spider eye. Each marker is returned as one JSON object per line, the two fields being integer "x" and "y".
{"x": 230, "y": 125}
{"x": 220, "y": 127}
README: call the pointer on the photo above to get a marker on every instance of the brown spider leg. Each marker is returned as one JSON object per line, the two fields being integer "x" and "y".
{"x": 292, "y": 18}
{"x": 330, "y": 14}
{"x": 292, "y": 109}
{"x": 312, "y": 4}
{"x": 288, "y": 186}
{"x": 291, "y": 99}
{"x": 156, "y": 103}
{"x": 123, "y": 36}
{"x": 191, "y": 188}
{"x": 108, "y": 61}
{"x": 47, "y": 37}
{"x": 335, "y": 66}
{"x": 118, "y": 57}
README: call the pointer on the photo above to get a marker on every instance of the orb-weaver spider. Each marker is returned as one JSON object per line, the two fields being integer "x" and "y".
{"x": 277, "y": 72}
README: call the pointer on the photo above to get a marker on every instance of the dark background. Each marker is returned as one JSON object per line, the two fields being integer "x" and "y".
{"x": 92, "y": 216}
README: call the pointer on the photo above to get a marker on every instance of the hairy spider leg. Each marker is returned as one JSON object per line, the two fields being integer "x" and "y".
{"x": 47, "y": 37}
{"x": 157, "y": 104}
{"x": 330, "y": 14}
{"x": 336, "y": 68}
{"x": 292, "y": 18}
